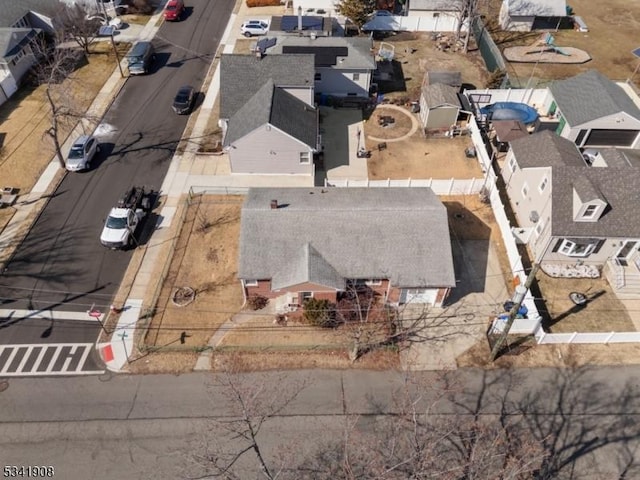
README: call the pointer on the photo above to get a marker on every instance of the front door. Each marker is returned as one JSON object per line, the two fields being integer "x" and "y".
{"x": 626, "y": 252}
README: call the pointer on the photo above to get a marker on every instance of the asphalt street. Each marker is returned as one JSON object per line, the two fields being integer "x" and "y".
{"x": 164, "y": 426}
{"x": 61, "y": 264}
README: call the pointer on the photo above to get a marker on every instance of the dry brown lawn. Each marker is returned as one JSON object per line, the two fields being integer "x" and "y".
{"x": 205, "y": 259}
{"x": 603, "y": 312}
{"x": 527, "y": 354}
{"x": 423, "y": 158}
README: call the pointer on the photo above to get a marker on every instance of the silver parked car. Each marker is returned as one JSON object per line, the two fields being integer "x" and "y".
{"x": 81, "y": 153}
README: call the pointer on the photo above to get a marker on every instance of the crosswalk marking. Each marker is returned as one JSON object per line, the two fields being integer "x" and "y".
{"x": 48, "y": 359}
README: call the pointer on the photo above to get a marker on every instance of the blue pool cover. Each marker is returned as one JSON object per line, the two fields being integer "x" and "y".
{"x": 510, "y": 111}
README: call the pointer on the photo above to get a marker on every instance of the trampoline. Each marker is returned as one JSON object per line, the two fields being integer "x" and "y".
{"x": 510, "y": 111}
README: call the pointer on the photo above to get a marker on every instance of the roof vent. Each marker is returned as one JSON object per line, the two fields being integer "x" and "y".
{"x": 274, "y": 204}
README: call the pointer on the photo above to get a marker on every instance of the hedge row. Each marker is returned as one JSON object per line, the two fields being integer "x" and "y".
{"x": 263, "y": 3}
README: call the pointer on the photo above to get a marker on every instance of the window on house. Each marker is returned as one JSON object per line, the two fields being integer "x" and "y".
{"x": 525, "y": 190}
{"x": 574, "y": 249}
{"x": 305, "y": 158}
{"x": 251, "y": 283}
{"x": 373, "y": 282}
{"x": 305, "y": 296}
{"x": 436, "y": 14}
{"x": 590, "y": 211}
{"x": 543, "y": 184}
{"x": 356, "y": 77}
{"x": 317, "y": 77}
{"x": 512, "y": 164}
{"x": 539, "y": 228}
{"x": 580, "y": 137}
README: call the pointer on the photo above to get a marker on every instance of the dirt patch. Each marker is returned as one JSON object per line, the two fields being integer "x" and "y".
{"x": 603, "y": 311}
{"x": 416, "y": 52}
{"x": 609, "y": 42}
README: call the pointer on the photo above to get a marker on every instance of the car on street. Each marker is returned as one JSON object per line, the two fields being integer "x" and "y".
{"x": 81, "y": 153}
{"x": 174, "y": 10}
{"x": 254, "y": 27}
{"x": 183, "y": 101}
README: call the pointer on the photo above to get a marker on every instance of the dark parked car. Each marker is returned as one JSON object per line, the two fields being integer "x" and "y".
{"x": 183, "y": 103}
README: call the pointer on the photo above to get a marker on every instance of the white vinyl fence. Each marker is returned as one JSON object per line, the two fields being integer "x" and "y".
{"x": 453, "y": 186}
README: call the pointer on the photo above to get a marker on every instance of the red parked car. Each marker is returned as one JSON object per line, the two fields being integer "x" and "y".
{"x": 173, "y": 10}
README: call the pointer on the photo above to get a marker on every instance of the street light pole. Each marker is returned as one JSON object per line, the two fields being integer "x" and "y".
{"x": 115, "y": 51}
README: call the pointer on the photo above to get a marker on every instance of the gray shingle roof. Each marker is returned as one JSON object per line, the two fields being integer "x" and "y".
{"x": 241, "y": 76}
{"x": 438, "y": 94}
{"x": 396, "y": 233}
{"x": 280, "y": 109}
{"x": 307, "y": 265}
{"x": 589, "y": 96}
{"x": 538, "y": 8}
{"x": 359, "y": 49}
{"x": 13, "y": 10}
{"x": 12, "y": 40}
{"x": 616, "y": 185}
{"x": 545, "y": 149}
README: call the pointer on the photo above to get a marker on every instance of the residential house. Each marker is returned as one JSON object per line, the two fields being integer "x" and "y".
{"x": 527, "y": 15}
{"x": 593, "y": 110}
{"x": 299, "y": 243}
{"x": 343, "y": 65}
{"x": 437, "y": 15}
{"x": 576, "y": 211}
{"x": 269, "y": 122}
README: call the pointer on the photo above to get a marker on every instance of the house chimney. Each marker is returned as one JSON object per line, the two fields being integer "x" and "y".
{"x": 274, "y": 204}
{"x": 299, "y": 19}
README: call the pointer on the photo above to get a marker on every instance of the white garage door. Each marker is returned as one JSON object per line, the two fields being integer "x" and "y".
{"x": 418, "y": 295}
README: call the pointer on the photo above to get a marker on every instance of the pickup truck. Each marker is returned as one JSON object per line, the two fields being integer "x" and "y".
{"x": 123, "y": 220}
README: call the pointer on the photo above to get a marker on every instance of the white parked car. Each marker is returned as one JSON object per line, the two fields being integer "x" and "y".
{"x": 254, "y": 27}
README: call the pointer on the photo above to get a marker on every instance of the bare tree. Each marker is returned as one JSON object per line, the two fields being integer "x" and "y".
{"x": 54, "y": 71}
{"x": 254, "y": 402}
{"x": 80, "y": 25}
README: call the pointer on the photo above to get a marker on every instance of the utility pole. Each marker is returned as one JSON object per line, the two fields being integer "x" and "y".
{"x": 514, "y": 311}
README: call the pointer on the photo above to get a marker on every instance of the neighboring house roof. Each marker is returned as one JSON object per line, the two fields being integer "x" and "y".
{"x": 537, "y": 8}
{"x": 13, "y": 40}
{"x": 335, "y": 52}
{"x": 615, "y": 185}
{"x": 435, "y": 5}
{"x": 545, "y": 149}
{"x": 448, "y": 78}
{"x": 274, "y": 106}
{"x": 589, "y": 96}
{"x": 509, "y": 130}
{"x": 362, "y": 233}
{"x": 241, "y": 76}
{"x": 438, "y": 94}
{"x": 13, "y": 10}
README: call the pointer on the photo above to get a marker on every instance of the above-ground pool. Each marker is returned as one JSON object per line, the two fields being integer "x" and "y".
{"x": 510, "y": 111}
